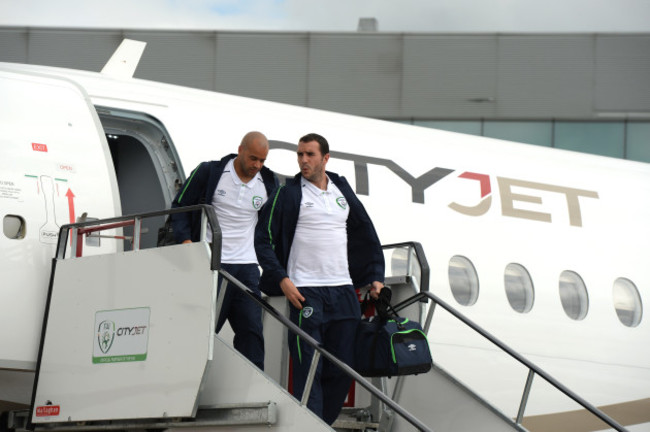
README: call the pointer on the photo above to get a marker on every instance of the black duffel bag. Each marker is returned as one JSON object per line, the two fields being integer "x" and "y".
{"x": 389, "y": 345}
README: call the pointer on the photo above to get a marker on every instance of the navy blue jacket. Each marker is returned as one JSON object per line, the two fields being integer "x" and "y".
{"x": 276, "y": 227}
{"x": 199, "y": 189}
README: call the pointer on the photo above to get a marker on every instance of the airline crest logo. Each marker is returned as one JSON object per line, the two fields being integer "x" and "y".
{"x": 106, "y": 335}
{"x": 342, "y": 202}
{"x": 307, "y": 311}
{"x": 257, "y": 202}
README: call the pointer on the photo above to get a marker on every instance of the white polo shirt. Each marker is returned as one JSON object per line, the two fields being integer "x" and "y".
{"x": 237, "y": 204}
{"x": 319, "y": 252}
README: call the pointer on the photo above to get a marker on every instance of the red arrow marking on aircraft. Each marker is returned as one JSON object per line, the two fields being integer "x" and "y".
{"x": 70, "y": 196}
{"x": 483, "y": 178}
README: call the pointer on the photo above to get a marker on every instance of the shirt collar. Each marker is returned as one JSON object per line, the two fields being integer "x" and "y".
{"x": 306, "y": 183}
{"x": 230, "y": 166}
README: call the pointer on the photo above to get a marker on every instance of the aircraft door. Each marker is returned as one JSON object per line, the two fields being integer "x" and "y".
{"x": 54, "y": 167}
{"x": 147, "y": 167}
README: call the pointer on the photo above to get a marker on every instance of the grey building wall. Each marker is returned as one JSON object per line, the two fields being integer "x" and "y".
{"x": 397, "y": 76}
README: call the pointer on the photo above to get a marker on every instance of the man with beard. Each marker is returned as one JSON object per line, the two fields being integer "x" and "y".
{"x": 316, "y": 244}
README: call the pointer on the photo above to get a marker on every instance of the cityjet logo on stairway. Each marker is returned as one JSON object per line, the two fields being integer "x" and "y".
{"x": 121, "y": 335}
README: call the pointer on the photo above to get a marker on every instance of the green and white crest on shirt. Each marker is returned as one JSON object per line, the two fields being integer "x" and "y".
{"x": 341, "y": 201}
{"x": 257, "y": 202}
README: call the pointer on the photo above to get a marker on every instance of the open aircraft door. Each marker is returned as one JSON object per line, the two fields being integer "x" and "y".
{"x": 55, "y": 166}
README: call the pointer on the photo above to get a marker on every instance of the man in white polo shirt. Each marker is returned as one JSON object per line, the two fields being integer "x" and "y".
{"x": 316, "y": 243}
{"x": 237, "y": 186}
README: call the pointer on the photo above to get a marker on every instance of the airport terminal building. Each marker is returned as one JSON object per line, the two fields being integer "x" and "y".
{"x": 588, "y": 92}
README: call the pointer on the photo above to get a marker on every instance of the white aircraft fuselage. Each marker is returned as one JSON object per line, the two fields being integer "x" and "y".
{"x": 491, "y": 202}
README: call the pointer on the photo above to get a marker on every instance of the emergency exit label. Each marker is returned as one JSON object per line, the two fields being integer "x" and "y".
{"x": 39, "y": 147}
{"x": 121, "y": 335}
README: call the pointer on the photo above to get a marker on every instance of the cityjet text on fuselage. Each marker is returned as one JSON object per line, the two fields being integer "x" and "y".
{"x": 510, "y": 189}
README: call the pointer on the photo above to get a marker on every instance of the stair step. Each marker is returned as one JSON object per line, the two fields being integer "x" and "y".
{"x": 260, "y": 413}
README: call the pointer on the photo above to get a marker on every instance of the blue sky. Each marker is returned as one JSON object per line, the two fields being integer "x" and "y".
{"x": 335, "y": 15}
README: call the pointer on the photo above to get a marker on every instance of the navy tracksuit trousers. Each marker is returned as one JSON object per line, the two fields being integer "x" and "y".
{"x": 243, "y": 313}
{"x": 330, "y": 315}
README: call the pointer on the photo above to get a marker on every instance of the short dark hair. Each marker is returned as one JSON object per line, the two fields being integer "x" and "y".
{"x": 322, "y": 142}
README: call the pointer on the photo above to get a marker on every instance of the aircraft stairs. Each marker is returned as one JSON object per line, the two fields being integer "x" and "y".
{"x": 128, "y": 343}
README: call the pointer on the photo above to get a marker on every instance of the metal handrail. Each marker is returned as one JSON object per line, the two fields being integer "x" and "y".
{"x": 88, "y": 227}
{"x": 422, "y": 261}
{"x": 533, "y": 369}
{"x": 512, "y": 353}
{"x": 324, "y": 353}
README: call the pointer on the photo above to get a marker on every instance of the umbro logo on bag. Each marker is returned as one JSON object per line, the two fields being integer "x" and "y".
{"x": 412, "y": 347}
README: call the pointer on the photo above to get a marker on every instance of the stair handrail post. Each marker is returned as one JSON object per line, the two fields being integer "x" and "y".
{"x": 524, "y": 397}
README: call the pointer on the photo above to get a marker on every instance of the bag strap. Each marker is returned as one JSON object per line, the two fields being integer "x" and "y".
{"x": 366, "y": 303}
{"x": 382, "y": 304}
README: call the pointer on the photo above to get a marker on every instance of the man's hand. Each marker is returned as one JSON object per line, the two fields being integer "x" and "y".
{"x": 187, "y": 241}
{"x": 291, "y": 292}
{"x": 375, "y": 288}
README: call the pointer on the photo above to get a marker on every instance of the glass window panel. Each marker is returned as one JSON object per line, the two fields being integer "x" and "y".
{"x": 466, "y": 127}
{"x": 463, "y": 280}
{"x": 13, "y": 227}
{"x": 519, "y": 288}
{"x": 638, "y": 141}
{"x": 604, "y": 139}
{"x": 627, "y": 302}
{"x": 538, "y": 133}
{"x": 573, "y": 295}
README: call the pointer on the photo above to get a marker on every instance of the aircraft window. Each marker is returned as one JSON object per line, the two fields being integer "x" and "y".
{"x": 627, "y": 302}
{"x": 573, "y": 295}
{"x": 463, "y": 280}
{"x": 519, "y": 288}
{"x": 13, "y": 227}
